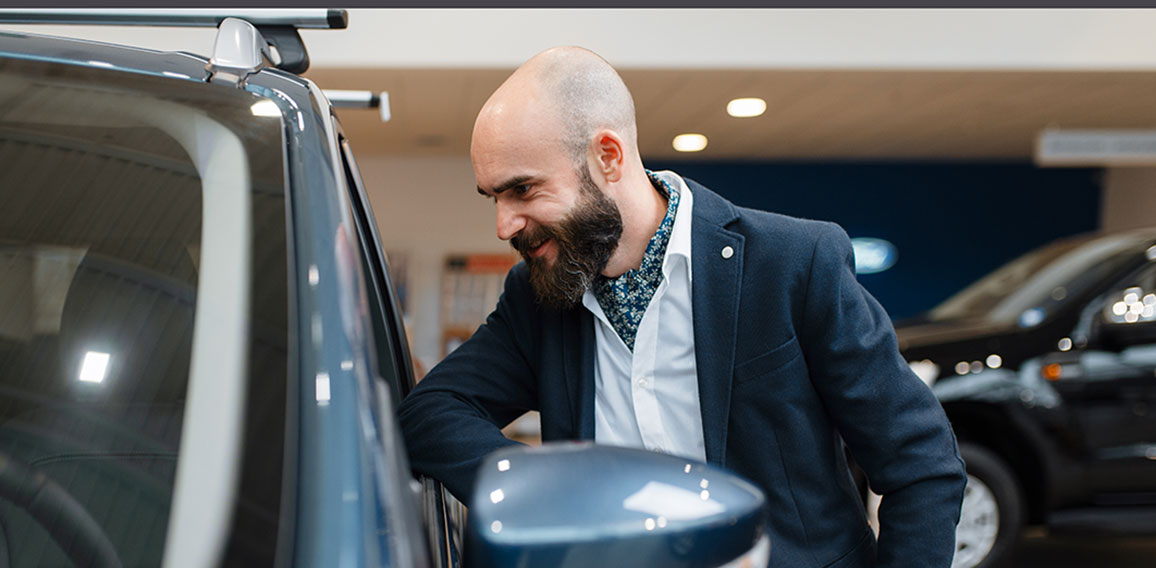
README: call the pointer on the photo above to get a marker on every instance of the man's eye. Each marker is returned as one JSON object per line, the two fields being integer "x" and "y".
{"x": 522, "y": 189}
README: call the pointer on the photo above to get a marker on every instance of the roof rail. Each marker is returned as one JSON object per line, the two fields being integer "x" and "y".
{"x": 304, "y": 18}
{"x": 244, "y": 35}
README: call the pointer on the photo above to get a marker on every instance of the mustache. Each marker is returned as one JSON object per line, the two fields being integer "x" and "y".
{"x": 531, "y": 238}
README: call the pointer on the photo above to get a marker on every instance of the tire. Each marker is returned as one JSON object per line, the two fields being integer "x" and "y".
{"x": 993, "y": 510}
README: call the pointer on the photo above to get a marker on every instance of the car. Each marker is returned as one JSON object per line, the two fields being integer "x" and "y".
{"x": 201, "y": 350}
{"x": 1045, "y": 368}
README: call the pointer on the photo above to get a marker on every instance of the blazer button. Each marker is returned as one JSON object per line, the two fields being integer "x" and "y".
{"x": 728, "y": 252}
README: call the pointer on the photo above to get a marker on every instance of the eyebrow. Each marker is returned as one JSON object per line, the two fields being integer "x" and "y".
{"x": 512, "y": 182}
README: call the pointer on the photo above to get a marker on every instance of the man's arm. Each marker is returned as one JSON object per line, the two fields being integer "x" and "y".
{"x": 895, "y": 427}
{"x": 453, "y": 418}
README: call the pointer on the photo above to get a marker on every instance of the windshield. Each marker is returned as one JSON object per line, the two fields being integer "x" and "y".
{"x": 103, "y": 218}
{"x": 1028, "y": 289}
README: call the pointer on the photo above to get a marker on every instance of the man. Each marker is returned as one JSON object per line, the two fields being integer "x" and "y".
{"x": 651, "y": 312}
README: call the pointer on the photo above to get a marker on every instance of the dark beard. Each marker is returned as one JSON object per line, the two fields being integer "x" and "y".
{"x": 585, "y": 240}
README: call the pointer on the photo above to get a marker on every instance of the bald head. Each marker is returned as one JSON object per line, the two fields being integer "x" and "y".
{"x": 571, "y": 92}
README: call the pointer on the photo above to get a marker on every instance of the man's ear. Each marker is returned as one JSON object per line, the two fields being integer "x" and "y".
{"x": 609, "y": 154}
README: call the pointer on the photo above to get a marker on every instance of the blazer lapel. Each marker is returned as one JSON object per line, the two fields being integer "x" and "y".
{"x": 717, "y": 275}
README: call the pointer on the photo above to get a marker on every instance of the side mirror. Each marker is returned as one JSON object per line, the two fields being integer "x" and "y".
{"x": 577, "y": 504}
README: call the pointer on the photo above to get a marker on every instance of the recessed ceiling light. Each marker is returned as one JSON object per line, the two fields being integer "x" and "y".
{"x": 689, "y": 142}
{"x": 746, "y": 108}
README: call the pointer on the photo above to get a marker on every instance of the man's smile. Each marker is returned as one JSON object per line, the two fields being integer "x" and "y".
{"x": 541, "y": 249}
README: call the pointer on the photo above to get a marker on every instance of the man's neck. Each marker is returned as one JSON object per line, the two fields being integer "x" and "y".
{"x": 642, "y": 208}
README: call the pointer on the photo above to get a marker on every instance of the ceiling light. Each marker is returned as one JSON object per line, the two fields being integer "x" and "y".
{"x": 746, "y": 108}
{"x": 689, "y": 142}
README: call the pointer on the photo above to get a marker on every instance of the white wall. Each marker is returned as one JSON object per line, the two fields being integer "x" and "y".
{"x": 734, "y": 38}
{"x": 1129, "y": 199}
{"x": 427, "y": 207}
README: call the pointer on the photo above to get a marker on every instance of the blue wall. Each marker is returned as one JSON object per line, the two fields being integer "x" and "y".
{"x": 951, "y": 223}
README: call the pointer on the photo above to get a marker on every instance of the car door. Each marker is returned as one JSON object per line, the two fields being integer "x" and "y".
{"x": 443, "y": 515}
{"x": 1109, "y": 388}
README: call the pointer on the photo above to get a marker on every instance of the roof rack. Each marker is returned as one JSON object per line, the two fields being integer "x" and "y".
{"x": 244, "y": 40}
{"x": 318, "y": 18}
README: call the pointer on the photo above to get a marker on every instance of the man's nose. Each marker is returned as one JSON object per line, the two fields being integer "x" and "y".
{"x": 510, "y": 222}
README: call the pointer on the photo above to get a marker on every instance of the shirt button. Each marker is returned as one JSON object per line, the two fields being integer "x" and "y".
{"x": 642, "y": 383}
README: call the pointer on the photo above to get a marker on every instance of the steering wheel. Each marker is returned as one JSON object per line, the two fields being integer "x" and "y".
{"x": 65, "y": 519}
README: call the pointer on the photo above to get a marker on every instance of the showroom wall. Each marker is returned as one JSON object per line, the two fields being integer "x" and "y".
{"x": 950, "y": 222}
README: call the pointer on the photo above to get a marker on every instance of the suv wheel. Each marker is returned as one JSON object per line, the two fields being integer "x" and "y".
{"x": 992, "y": 513}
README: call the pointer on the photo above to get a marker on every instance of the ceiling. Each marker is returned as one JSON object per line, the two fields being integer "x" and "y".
{"x": 811, "y": 115}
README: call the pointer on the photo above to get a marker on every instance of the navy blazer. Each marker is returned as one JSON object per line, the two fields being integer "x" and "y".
{"x": 794, "y": 357}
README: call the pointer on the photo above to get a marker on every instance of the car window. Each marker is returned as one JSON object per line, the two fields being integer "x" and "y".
{"x": 102, "y": 220}
{"x": 392, "y": 351}
{"x": 1026, "y": 290}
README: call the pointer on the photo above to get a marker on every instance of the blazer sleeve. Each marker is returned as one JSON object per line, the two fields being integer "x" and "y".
{"x": 894, "y": 426}
{"x": 453, "y": 417}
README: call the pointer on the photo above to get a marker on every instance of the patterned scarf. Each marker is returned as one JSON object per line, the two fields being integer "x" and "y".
{"x": 624, "y": 299}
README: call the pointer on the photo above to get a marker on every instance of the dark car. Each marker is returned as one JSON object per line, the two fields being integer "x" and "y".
{"x": 1046, "y": 369}
{"x": 201, "y": 350}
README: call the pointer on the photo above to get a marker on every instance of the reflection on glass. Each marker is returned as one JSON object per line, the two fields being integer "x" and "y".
{"x": 496, "y": 527}
{"x": 322, "y": 383}
{"x": 672, "y": 502}
{"x": 496, "y": 496}
{"x": 504, "y": 465}
{"x": 94, "y": 367}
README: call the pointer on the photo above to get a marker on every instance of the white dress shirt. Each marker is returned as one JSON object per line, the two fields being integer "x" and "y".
{"x": 649, "y": 398}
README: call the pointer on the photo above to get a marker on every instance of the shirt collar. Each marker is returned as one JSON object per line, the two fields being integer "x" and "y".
{"x": 679, "y": 244}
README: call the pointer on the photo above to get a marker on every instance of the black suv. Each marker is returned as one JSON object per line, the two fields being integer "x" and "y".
{"x": 1046, "y": 369}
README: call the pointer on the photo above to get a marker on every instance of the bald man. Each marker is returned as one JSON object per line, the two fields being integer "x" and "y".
{"x": 651, "y": 312}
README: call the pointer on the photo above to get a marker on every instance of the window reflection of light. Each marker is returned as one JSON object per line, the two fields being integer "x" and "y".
{"x": 661, "y": 522}
{"x": 1065, "y": 344}
{"x": 496, "y": 527}
{"x": 94, "y": 367}
{"x": 1131, "y": 297}
{"x": 704, "y": 484}
{"x": 314, "y": 275}
{"x": 994, "y": 361}
{"x": 687, "y": 468}
{"x": 347, "y": 365}
{"x": 1131, "y": 317}
{"x": 265, "y": 108}
{"x": 1032, "y": 317}
{"x": 1119, "y": 308}
{"x": 704, "y": 495}
{"x": 672, "y": 502}
{"x": 975, "y": 367}
{"x": 322, "y": 383}
{"x": 649, "y": 524}
{"x": 496, "y": 496}
{"x": 961, "y": 368}
{"x": 504, "y": 465}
